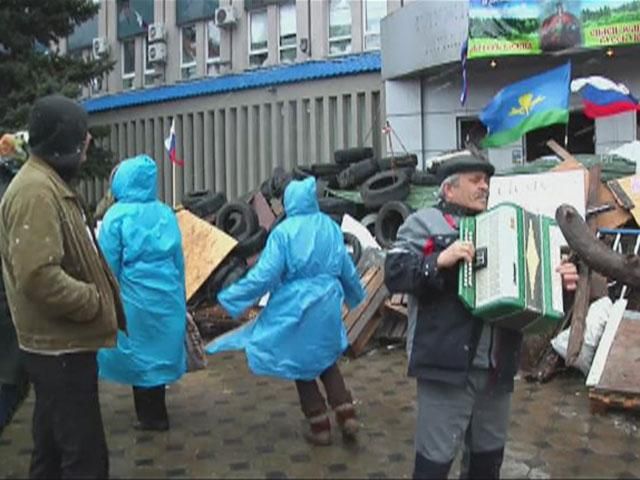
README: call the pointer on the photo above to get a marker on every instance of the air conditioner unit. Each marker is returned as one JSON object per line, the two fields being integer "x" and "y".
{"x": 156, "y": 32}
{"x": 100, "y": 47}
{"x": 157, "y": 53}
{"x": 225, "y": 17}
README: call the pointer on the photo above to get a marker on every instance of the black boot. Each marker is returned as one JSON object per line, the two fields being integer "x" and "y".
{"x": 485, "y": 465}
{"x": 426, "y": 469}
{"x": 151, "y": 408}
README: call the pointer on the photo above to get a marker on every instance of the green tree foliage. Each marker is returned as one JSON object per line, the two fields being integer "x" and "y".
{"x": 28, "y": 72}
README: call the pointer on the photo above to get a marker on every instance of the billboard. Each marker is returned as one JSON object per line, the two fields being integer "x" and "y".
{"x": 529, "y": 27}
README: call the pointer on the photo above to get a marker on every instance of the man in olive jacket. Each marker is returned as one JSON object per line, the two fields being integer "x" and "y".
{"x": 64, "y": 301}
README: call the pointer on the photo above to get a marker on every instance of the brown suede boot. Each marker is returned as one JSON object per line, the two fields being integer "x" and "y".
{"x": 346, "y": 418}
{"x": 319, "y": 432}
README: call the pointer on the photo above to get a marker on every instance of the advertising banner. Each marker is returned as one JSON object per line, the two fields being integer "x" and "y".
{"x": 529, "y": 27}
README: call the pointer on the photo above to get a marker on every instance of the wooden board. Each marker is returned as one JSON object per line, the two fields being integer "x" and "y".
{"x": 372, "y": 279}
{"x": 621, "y": 372}
{"x": 608, "y": 336}
{"x": 362, "y": 322}
{"x": 262, "y": 208}
{"x": 627, "y": 193}
{"x": 602, "y": 401}
{"x": 612, "y": 219}
{"x": 365, "y": 327}
{"x": 204, "y": 246}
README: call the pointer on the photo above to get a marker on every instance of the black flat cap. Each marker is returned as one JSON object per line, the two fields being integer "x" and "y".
{"x": 462, "y": 162}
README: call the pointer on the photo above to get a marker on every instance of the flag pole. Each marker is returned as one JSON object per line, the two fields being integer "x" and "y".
{"x": 173, "y": 182}
{"x": 566, "y": 136}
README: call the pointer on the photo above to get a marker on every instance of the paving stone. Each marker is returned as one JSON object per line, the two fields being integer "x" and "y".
{"x": 227, "y": 423}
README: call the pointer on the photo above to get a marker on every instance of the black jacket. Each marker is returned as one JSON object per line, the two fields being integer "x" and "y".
{"x": 446, "y": 334}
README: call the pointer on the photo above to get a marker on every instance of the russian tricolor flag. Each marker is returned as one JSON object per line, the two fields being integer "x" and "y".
{"x": 170, "y": 145}
{"x": 602, "y": 97}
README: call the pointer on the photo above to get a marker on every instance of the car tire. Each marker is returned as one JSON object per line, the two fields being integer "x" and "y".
{"x": 424, "y": 178}
{"x": 203, "y": 203}
{"x": 391, "y": 216}
{"x": 252, "y": 245}
{"x": 357, "y": 173}
{"x": 385, "y": 187}
{"x": 353, "y": 246}
{"x": 369, "y": 221}
{"x": 348, "y": 156}
{"x": 217, "y": 279}
{"x": 398, "y": 161}
{"x": 238, "y": 220}
{"x": 336, "y": 207}
{"x": 326, "y": 169}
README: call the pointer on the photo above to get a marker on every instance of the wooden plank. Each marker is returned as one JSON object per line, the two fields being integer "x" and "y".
{"x": 621, "y": 371}
{"x": 627, "y": 193}
{"x": 204, "y": 246}
{"x": 371, "y": 288}
{"x": 601, "y": 401}
{"x": 602, "y": 352}
{"x": 368, "y": 321}
{"x": 260, "y": 205}
{"x": 357, "y": 348}
{"x": 364, "y": 280}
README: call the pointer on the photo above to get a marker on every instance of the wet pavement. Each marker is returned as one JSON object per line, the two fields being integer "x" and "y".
{"x": 228, "y": 423}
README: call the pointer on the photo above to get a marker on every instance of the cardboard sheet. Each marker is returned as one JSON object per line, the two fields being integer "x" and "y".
{"x": 204, "y": 246}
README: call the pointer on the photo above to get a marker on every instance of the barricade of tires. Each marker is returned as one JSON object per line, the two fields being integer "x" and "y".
{"x": 384, "y": 185}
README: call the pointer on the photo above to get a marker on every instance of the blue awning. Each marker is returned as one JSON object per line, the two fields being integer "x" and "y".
{"x": 264, "y": 77}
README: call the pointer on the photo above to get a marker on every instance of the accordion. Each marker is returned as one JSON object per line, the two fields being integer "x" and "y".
{"x": 512, "y": 282}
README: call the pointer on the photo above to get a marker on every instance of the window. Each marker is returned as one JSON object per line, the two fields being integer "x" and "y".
{"x": 188, "y": 51}
{"x": 258, "y": 47}
{"x": 339, "y": 27}
{"x": 288, "y": 44}
{"x": 373, "y": 11}
{"x": 149, "y": 69}
{"x": 213, "y": 42}
{"x": 580, "y": 134}
{"x": 128, "y": 63}
{"x": 470, "y": 130}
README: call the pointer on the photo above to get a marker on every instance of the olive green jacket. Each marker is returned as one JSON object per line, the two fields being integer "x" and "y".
{"x": 60, "y": 290}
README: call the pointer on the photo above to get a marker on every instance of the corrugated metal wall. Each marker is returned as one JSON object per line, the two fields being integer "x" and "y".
{"x": 232, "y": 142}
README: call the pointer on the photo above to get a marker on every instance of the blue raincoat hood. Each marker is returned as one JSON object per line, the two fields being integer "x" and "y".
{"x": 136, "y": 180}
{"x": 300, "y": 197}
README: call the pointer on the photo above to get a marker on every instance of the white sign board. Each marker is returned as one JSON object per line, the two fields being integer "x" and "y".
{"x": 541, "y": 193}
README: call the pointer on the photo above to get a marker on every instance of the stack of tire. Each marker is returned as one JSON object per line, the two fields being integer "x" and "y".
{"x": 384, "y": 185}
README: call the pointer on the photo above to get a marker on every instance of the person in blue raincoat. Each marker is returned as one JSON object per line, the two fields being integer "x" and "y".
{"x": 300, "y": 334}
{"x": 141, "y": 240}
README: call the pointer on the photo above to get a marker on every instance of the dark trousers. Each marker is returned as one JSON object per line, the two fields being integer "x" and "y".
{"x": 311, "y": 399}
{"x": 68, "y": 435}
{"x": 151, "y": 406}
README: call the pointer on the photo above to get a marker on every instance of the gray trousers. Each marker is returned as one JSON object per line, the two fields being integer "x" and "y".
{"x": 446, "y": 413}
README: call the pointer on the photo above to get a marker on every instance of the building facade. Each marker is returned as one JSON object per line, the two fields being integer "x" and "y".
{"x": 423, "y": 86}
{"x": 262, "y": 84}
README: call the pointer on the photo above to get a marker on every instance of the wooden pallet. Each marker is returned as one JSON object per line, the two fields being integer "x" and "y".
{"x": 602, "y": 401}
{"x": 362, "y": 322}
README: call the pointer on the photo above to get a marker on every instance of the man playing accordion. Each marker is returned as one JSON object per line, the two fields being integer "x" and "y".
{"x": 464, "y": 366}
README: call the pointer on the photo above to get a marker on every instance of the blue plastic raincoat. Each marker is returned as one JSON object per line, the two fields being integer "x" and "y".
{"x": 141, "y": 240}
{"x": 309, "y": 273}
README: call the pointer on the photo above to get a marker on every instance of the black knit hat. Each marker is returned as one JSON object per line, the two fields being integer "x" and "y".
{"x": 57, "y": 130}
{"x": 462, "y": 162}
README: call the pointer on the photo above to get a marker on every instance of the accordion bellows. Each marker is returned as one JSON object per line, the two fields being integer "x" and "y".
{"x": 513, "y": 283}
